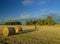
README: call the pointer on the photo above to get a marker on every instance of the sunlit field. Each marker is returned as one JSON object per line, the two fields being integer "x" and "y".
{"x": 41, "y": 35}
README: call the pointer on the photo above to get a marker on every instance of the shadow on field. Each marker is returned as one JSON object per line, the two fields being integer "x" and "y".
{"x": 21, "y": 32}
{"x": 25, "y": 31}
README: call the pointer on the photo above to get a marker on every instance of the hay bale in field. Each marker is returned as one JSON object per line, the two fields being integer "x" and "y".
{"x": 18, "y": 29}
{"x": 7, "y": 31}
{"x": 4, "y": 32}
{"x": 11, "y": 30}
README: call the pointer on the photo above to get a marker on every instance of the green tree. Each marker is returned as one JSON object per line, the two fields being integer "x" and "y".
{"x": 50, "y": 20}
{"x": 39, "y": 22}
{"x": 31, "y": 22}
{"x": 27, "y": 22}
{"x": 13, "y": 23}
{"x": 34, "y": 22}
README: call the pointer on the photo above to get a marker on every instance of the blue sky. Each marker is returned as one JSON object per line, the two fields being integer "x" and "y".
{"x": 21, "y": 9}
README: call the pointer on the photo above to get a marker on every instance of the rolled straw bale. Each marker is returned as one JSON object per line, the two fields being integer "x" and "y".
{"x": 11, "y": 30}
{"x": 18, "y": 29}
{"x": 4, "y": 32}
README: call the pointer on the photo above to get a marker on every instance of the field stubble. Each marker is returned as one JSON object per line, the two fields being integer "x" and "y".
{"x": 41, "y": 35}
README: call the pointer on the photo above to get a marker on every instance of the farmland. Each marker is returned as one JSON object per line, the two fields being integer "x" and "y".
{"x": 30, "y": 35}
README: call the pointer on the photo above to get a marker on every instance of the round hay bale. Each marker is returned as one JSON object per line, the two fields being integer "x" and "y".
{"x": 4, "y": 32}
{"x": 18, "y": 29}
{"x": 11, "y": 30}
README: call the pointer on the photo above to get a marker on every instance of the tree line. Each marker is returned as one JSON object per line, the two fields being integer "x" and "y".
{"x": 13, "y": 23}
{"x": 47, "y": 21}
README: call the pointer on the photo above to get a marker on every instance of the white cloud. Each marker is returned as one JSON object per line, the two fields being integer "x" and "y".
{"x": 44, "y": 10}
{"x": 25, "y": 16}
{"x": 38, "y": 2}
{"x": 27, "y": 2}
{"x": 22, "y": 16}
{"x": 42, "y": 2}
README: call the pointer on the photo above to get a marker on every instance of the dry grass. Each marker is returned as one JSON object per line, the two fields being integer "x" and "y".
{"x": 41, "y": 35}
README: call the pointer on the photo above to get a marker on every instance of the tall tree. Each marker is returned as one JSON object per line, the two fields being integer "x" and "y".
{"x": 50, "y": 20}
{"x": 34, "y": 22}
{"x": 31, "y": 22}
{"x": 27, "y": 22}
{"x": 39, "y": 22}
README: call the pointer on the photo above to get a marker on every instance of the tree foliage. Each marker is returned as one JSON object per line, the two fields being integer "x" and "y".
{"x": 30, "y": 22}
{"x": 13, "y": 23}
{"x": 48, "y": 21}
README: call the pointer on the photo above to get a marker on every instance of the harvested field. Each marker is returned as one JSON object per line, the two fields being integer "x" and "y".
{"x": 41, "y": 35}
